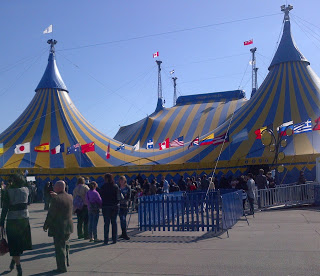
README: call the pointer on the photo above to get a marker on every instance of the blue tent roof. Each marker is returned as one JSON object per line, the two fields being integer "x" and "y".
{"x": 51, "y": 77}
{"x": 287, "y": 50}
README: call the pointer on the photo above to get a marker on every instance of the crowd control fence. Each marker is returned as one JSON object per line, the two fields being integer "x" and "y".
{"x": 194, "y": 211}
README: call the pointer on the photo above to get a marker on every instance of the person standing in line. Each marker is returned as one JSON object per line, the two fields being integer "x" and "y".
{"x": 60, "y": 224}
{"x": 124, "y": 206}
{"x": 94, "y": 203}
{"x": 110, "y": 195}
{"x": 15, "y": 210}
{"x": 261, "y": 182}
{"x": 81, "y": 209}
{"x": 46, "y": 193}
{"x": 165, "y": 185}
{"x": 250, "y": 192}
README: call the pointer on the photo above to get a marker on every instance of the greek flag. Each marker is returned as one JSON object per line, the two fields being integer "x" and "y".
{"x": 302, "y": 127}
{"x": 150, "y": 144}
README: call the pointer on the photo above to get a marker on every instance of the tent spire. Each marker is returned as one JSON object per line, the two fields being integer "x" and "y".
{"x": 287, "y": 50}
{"x": 160, "y": 99}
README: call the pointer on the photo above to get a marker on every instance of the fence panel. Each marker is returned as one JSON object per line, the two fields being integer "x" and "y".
{"x": 232, "y": 208}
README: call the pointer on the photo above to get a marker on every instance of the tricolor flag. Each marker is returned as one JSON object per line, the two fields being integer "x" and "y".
{"x": 221, "y": 139}
{"x": 22, "y": 148}
{"x": 207, "y": 140}
{"x": 108, "y": 151}
{"x": 302, "y": 127}
{"x": 194, "y": 142}
{"x": 136, "y": 146}
{"x": 240, "y": 136}
{"x": 177, "y": 142}
{"x": 317, "y": 126}
{"x": 156, "y": 54}
{"x": 87, "y": 147}
{"x": 42, "y": 148}
{"x": 248, "y": 42}
{"x": 283, "y": 128}
{"x": 165, "y": 144}
{"x": 1, "y": 148}
{"x": 58, "y": 149}
{"x": 150, "y": 144}
{"x": 73, "y": 149}
{"x": 121, "y": 147}
{"x": 48, "y": 30}
{"x": 260, "y": 130}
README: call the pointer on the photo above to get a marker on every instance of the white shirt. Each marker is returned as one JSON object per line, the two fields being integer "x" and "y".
{"x": 251, "y": 186}
{"x": 166, "y": 186}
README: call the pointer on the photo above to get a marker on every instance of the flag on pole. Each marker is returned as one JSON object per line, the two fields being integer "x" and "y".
{"x": 165, "y": 144}
{"x": 58, "y": 149}
{"x": 1, "y": 147}
{"x": 177, "y": 142}
{"x": 48, "y": 30}
{"x": 136, "y": 146}
{"x": 22, "y": 148}
{"x": 283, "y": 128}
{"x": 240, "y": 136}
{"x": 156, "y": 54}
{"x": 172, "y": 72}
{"x": 194, "y": 142}
{"x": 108, "y": 151}
{"x": 221, "y": 139}
{"x": 73, "y": 149}
{"x": 87, "y": 147}
{"x": 260, "y": 130}
{"x": 42, "y": 148}
{"x": 150, "y": 144}
{"x": 317, "y": 126}
{"x": 121, "y": 147}
{"x": 302, "y": 127}
{"x": 207, "y": 140}
{"x": 248, "y": 42}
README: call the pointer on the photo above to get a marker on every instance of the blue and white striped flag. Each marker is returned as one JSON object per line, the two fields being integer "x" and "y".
{"x": 121, "y": 147}
{"x": 302, "y": 127}
{"x": 150, "y": 144}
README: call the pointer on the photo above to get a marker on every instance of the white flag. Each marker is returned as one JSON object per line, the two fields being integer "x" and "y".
{"x": 172, "y": 72}
{"x": 22, "y": 148}
{"x": 136, "y": 146}
{"x": 48, "y": 30}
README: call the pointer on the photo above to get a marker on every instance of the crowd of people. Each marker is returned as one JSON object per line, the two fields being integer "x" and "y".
{"x": 113, "y": 198}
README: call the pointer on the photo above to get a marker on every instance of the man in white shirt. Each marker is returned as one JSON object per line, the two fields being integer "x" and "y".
{"x": 250, "y": 192}
{"x": 165, "y": 185}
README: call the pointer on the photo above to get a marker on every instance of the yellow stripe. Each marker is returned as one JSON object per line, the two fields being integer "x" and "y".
{"x": 69, "y": 160}
{"x": 176, "y": 121}
{"x": 162, "y": 124}
{"x": 149, "y": 125}
{"x": 202, "y": 121}
{"x": 189, "y": 120}
{"x": 216, "y": 116}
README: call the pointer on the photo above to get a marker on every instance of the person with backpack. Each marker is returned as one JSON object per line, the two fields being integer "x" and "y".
{"x": 110, "y": 195}
{"x": 80, "y": 208}
{"x": 94, "y": 203}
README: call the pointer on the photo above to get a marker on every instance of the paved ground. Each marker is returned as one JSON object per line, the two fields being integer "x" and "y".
{"x": 278, "y": 242}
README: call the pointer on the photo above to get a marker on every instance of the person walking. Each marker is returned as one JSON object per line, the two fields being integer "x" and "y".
{"x": 124, "y": 206}
{"x": 15, "y": 210}
{"x": 94, "y": 203}
{"x": 250, "y": 192}
{"x": 60, "y": 225}
{"x": 110, "y": 195}
{"x": 81, "y": 209}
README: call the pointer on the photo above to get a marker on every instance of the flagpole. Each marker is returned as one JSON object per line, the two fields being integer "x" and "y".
{"x": 80, "y": 156}
{"x": 30, "y": 158}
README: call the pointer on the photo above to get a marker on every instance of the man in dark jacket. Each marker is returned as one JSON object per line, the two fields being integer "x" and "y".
{"x": 60, "y": 225}
{"x": 261, "y": 182}
{"x": 110, "y": 195}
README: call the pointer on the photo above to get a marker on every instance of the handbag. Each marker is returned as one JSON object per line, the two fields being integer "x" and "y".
{"x": 4, "y": 248}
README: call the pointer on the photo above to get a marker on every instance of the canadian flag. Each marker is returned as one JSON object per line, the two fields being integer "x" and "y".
{"x": 155, "y": 54}
{"x": 248, "y": 42}
{"x": 22, "y": 148}
{"x": 165, "y": 144}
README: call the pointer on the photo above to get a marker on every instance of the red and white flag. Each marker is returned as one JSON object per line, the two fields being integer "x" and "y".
{"x": 165, "y": 144}
{"x": 248, "y": 42}
{"x": 22, "y": 148}
{"x": 58, "y": 149}
{"x": 108, "y": 152}
{"x": 156, "y": 54}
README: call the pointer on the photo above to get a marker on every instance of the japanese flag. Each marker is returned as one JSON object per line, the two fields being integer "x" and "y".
{"x": 22, "y": 148}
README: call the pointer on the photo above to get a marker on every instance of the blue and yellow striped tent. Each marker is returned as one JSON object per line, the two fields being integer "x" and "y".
{"x": 289, "y": 92}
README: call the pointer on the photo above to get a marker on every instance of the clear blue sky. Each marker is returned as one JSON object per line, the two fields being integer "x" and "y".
{"x": 116, "y": 84}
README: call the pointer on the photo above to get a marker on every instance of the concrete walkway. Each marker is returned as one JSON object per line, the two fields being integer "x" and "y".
{"x": 279, "y": 242}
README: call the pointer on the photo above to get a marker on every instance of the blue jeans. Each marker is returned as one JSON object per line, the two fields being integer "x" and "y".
{"x": 93, "y": 223}
{"x": 110, "y": 214}
{"x": 123, "y": 218}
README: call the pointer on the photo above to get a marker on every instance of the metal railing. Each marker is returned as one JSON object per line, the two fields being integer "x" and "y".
{"x": 286, "y": 196}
